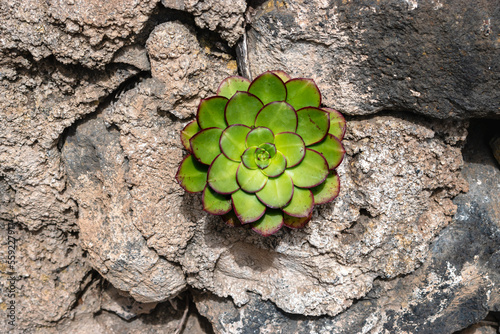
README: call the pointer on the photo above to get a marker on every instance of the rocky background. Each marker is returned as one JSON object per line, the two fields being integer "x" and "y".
{"x": 97, "y": 237}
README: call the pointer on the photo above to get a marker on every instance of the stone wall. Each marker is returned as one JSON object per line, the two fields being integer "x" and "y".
{"x": 93, "y": 96}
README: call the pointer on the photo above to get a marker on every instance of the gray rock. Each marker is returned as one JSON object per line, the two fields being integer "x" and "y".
{"x": 437, "y": 58}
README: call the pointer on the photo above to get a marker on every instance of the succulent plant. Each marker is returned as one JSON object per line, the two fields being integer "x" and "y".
{"x": 263, "y": 152}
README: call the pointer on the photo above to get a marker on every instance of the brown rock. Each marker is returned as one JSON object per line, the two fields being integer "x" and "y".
{"x": 97, "y": 167}
{"x": 87, "y": 32}
{"x": 38, "y": 103}
{"x": 396, "y": 183}
{"x": 226, "y": 16}
{"x": 42, "y": 275}
{"x": 185, "y": 70}
{"x": 121, "y": 167}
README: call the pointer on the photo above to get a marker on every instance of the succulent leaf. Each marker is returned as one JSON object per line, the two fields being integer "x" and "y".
{"x": 269, "y": 224}
{"x": 328, "y": 190}
{"x": 269, "y": 148}
{"x": 331, "y": 148}
{"x": 313, "y": 124}
{"x": 232, "y": 141}
{"x": 205, "y": 145}
{"x": 311, "y": 172}
{"x": 250, "y": 180}
{"x": 276, "y": 166}
{"x": 268, "y": 87}
{"x": 259, "y": 136}
{"x": 231, "y": 85}
{"x": 296, "y": 222}
{"x": 222, "y": 175}
{"x": 247, "y": 207}
{"x": 242, "y": 108}
{"x": 192, "y": 175}
{"x": 282, "y": 74}
{"x": 189, "y": 131}
{"x": 302, "y": 93}
{"x": 211, "y": 113}
{"x": 277, "y": 192}
{"x": 292, "y": 146}
{"x": 248, "y": 158}
{"x": 302, "y": 203}
{"x": 337, "y": 123}
{"x": 215, "y": 203}
{"x": 278, "y": 117}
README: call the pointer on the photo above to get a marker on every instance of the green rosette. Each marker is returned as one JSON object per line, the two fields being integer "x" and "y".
{"x": 263, "y": 152}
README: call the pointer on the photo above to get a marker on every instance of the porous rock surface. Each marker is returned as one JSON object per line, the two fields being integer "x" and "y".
{"x": 86, "y": 32}
{"x": 91, "y": 105}
{"x": 39, "y": 101}
{"x": 227, "y": 17}
{"x": 437, "y": 58}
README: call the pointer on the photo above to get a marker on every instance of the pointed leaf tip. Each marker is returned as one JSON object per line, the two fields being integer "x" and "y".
{"x": 268, "y": 87}
{"x": 270, "y": 223}
{"x": 302, "y": 93}
{"x": 231, "y": 85}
